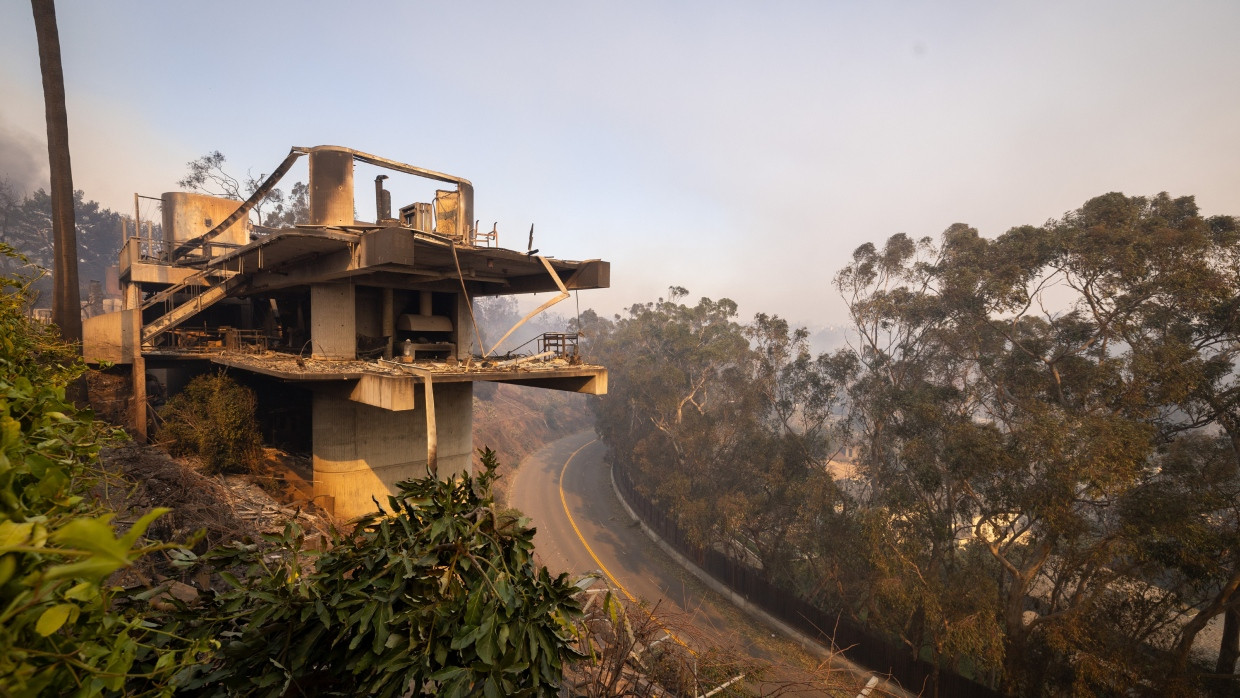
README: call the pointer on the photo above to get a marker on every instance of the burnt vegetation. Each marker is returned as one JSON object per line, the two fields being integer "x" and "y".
{"x": 213, "y": 418}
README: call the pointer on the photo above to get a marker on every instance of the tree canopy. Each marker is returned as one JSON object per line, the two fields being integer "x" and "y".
{"x": 1047, "y": 435}
{"x": 278, "y": 209}
{"x": 26, "y": 225}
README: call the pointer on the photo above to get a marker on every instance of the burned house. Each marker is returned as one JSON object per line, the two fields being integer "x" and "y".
{"x": 371, "y": 322}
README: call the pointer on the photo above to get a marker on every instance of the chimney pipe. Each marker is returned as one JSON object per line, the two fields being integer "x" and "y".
{"x": 383, "y": 200}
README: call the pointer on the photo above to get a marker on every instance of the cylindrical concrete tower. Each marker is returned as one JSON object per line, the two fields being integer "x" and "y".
{"x": 331, "y": 187}
{"x": 188, "y": 215}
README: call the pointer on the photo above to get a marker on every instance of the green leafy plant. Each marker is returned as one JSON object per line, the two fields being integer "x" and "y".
{"x": 61, "y": 632}
{"x": 213, "y": 418}
{"x": 439, "y": 594}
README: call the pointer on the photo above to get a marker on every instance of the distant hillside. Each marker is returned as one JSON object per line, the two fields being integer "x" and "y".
{"x": 515, "y": 421}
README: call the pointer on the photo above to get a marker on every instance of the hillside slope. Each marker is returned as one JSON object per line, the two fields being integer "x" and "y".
{"x": 515, "y": 421}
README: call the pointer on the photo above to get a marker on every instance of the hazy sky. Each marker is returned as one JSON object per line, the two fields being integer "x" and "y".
{"x": 736, "y": 149}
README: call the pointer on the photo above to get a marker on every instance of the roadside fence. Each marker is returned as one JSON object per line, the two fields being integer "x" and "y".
{"x": 830, "y": 629}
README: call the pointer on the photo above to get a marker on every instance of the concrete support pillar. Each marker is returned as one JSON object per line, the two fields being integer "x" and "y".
{"x": 464, "y": 324}
{"x": 333, "y": 321}
{"x": 331, "y": 188}
{"x": 362, "y": 451}
{"x": 389, "y": 321}
{"x": 137, "y": 375}
{"x": 138, "y": 378}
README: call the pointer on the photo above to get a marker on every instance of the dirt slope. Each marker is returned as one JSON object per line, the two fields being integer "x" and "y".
{"x": 516, "y": 421}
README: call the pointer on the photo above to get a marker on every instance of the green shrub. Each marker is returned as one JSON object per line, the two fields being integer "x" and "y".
{"x": 214, "y": 419}
{"x": 63, "y": 630}
{"x": 442, "y": 596}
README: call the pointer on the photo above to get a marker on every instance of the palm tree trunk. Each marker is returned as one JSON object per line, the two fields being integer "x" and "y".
{"x": 66, "y": 301}
{"x": 66, "y": 296}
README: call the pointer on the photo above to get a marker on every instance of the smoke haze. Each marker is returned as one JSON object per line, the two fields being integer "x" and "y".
{"x": 23, "y": 160}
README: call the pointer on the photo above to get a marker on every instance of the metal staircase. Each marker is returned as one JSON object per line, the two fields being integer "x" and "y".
{"x": 210, "y": 294}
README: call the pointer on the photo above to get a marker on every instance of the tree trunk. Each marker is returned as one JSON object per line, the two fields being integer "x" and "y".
{"x": 1188, "y": 633}
{"x": 1229, "y": 648}
{"x": 1014, "y": 664}
{"x": 66, "y": 300}
{"x": 66, "y": 303}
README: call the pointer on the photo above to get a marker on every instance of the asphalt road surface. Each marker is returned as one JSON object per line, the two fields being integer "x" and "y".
{"x": 565, "y": 488}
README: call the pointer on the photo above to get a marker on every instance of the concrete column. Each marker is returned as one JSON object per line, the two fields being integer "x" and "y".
{"x": 137, "y": 375}
{"x": 331, "y": 188}
{"x": 362, "y": 451}
{"x": 389, "y": 321}
{"x": 464, "y": 324}
{"x": 333, "y": 321}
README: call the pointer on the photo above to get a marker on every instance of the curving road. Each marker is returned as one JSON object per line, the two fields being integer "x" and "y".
{"x": 565, "y": 488}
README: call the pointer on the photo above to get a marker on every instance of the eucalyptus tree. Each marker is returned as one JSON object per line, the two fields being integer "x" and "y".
{"x": 207, "y": 174}
{"x": 1058, "y": 436}
{"x": 1022, "y": 397}
{"x": 677, "y": 412}
{"x": 728, "y": 425}
{"x": 1049, "y": 433}
{"x": 798, "y": 399}
{"x": 1167, "y": 282}
{"x": 911, "y": 413}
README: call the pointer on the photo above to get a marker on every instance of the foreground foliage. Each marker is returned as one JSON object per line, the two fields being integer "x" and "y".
{"x": 61, "y": 630}
{"x": 440, "y": 594}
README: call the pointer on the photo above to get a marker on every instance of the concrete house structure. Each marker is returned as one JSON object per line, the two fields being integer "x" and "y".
{"x": 371, "y": 321}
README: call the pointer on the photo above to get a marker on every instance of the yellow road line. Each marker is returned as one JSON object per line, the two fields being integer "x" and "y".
{"x": 615, "y": 582}
{"x": 612, "y": 578}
